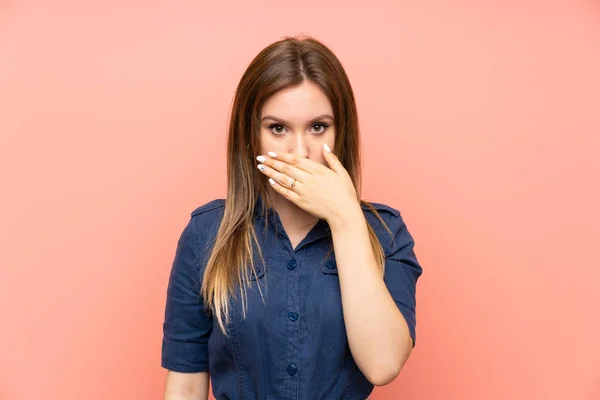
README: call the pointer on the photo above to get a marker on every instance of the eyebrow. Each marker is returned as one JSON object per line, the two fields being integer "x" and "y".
{"x": 284, "y": 122}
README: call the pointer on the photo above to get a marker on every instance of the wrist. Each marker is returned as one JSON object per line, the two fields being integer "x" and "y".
{"x": 350, "y": 219}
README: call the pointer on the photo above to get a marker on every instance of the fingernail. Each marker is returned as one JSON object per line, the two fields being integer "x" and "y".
{"x": 272, "y": 154}
{"x": 261, "y": 167}
{"x": 261, "y": 158}
{"x": 271, "y": 181}
{"x": 327, "y": 147}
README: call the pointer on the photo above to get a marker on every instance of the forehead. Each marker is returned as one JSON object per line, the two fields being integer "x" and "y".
{"x": 304, "y": 101}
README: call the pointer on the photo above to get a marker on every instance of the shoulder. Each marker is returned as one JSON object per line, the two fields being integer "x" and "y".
{"x": 204, "y": 224}
{"x": 386, "y": 212}
{"x": 211, "y": 209}
{"x": 207, "y": 218}
{"x": 393, "y": 228}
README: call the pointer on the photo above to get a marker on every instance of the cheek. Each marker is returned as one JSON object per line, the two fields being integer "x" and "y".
{"x": 267, "y": 142}
{"x": 316, "y": 153}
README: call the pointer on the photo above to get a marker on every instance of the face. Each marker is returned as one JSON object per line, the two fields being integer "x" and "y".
{"x": 297, "y": 120}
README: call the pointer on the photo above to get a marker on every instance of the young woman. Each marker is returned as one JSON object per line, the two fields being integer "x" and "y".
{"x": 292, "y": 287}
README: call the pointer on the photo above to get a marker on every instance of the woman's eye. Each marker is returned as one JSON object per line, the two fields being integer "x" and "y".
{"x": 277, "y": 129}
{"x": 319, "y": 128}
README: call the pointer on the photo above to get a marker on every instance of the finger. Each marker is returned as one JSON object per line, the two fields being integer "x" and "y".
{"x": 285, "y": 192}
{"x": 297, "y": 161}
{"x": 333, "y": 162}
{"x": 277, "y": 176}
{"x": 283, "y": 167}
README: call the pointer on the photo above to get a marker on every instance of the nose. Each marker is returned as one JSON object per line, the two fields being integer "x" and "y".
{"x": 299, "y": 145}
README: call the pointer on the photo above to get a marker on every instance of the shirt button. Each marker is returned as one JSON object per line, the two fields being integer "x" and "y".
{"x": 292, "y": 369}
{"x": 330, "y": 264}
{"x": 291, "y": 264}
{"x": 293, "y": 315}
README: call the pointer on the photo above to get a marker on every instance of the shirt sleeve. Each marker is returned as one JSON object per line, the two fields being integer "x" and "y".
{"x": 186, "y": 326}
{"x": 402, "y": 270}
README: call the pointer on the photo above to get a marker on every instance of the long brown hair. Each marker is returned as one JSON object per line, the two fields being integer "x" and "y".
{"x": 283, "y": 64}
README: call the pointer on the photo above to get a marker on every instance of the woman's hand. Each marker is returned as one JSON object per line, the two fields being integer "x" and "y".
{"x": 327, "y": 193}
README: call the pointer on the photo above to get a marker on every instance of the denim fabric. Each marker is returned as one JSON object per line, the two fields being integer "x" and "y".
{"x": 292, "y": 345}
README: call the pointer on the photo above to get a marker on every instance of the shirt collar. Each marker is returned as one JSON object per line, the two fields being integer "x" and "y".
{"x": 320, "y": 230}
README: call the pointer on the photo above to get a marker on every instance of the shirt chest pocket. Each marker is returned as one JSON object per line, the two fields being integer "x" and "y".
{"x": 254, "y": 293}
{"x": 329, "y": 266}
{"x": 328, "y": 279}
{"x": 326, "y": 303}
{"x": 259, "y": 269}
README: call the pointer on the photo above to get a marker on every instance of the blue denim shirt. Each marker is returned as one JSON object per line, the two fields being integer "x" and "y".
{"x": 292, "y": 345}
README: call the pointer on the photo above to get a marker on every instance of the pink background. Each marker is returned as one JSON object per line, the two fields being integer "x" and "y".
{"x": 480, "y": 122}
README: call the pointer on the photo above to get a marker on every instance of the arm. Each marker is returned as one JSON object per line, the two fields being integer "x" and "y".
{"x": 186, "y": 326}
{"x": 186, "y": 386}
{"x": 378, "y": 334}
